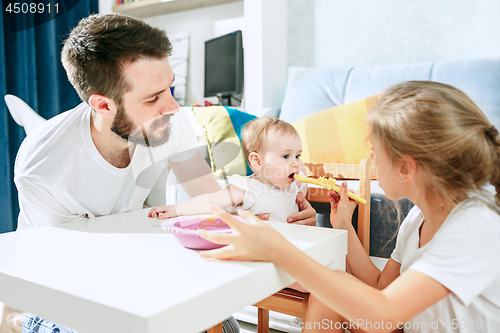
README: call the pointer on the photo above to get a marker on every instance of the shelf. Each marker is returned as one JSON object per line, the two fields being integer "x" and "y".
{"x": 147, "y": 8}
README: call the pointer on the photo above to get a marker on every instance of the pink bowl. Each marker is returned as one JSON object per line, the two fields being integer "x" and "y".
{"x": 185, "y": 229}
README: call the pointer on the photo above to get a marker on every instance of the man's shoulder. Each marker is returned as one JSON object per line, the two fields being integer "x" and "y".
{"x": 56, "y": 123}
{"x": 51, "y": 140}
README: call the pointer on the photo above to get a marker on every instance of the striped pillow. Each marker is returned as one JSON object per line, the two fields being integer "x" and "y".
{"x": 222, "y": 127}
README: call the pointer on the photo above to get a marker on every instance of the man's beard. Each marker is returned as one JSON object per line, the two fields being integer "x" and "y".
{"x": 125, "y": 128}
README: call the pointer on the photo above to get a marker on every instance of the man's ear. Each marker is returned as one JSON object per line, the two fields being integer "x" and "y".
{"x": 103, "y": 105}
{"x": 407, "y": 168}
{"x": 254, "y": 161}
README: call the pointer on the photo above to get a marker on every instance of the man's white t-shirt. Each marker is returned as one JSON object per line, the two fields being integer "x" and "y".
{"x": 463, "y": 256}
{"x": 61, "y": 176}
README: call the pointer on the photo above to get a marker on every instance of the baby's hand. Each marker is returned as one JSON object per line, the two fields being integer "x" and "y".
{"x": 163, "y": 212}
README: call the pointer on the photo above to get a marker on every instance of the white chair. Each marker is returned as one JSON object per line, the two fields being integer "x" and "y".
{"x": 23, "y": 114}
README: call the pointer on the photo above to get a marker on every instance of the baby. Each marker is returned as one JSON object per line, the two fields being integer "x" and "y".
{"x": 272, "y": 148}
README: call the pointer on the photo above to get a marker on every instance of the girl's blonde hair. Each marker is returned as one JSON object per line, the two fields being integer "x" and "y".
{"x": 255, "y": 132}
{"x": 450, "y": 138}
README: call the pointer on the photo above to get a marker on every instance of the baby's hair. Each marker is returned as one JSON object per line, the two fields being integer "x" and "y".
{"x": 453, "y": 143}
{"x": 255, "y": 132}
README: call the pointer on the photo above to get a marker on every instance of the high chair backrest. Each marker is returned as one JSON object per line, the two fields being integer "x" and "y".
{"x": 361, "y": 172}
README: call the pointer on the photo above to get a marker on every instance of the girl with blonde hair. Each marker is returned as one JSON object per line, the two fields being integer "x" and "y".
{"x": 434, "y": 146}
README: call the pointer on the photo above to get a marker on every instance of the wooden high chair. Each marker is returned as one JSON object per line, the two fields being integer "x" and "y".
{"x": 290, "y": 301}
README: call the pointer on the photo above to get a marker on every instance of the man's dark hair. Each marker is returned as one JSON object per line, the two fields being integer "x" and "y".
{"x": 100, "y": 45}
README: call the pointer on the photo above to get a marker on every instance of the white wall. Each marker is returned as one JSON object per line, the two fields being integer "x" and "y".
{"x": 266, "y": 54}
{"x": 300, "y": 39}
{"x": 368, "y": 33}
{"x": 105, "y": 6}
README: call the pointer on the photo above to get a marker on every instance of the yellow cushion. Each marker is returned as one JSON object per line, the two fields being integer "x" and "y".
{"x": 336, "y": 135}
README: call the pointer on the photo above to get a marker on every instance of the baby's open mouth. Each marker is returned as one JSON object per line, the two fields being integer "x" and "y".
{"x": 292, "y": 176}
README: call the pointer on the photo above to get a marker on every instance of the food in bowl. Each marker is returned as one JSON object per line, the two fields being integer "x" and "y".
{"x": 185, "y": 229}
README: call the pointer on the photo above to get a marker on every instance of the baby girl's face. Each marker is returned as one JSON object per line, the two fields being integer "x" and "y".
{"x": 281, "y": 158}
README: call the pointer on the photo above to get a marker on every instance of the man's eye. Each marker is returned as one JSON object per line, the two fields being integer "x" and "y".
{"x": 153, "y": 100}
{"x": 286, "y": 156}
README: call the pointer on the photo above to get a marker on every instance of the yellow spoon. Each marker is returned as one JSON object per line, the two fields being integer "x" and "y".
{"x": 329, "y": 184}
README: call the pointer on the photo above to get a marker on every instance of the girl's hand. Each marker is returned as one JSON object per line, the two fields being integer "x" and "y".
{"x": 341, "y": 208}
{"x": 163, "y": 212}
{"x": 254, "y": 240}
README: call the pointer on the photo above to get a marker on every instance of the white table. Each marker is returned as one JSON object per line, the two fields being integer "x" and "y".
{"x": 122, "y": 273}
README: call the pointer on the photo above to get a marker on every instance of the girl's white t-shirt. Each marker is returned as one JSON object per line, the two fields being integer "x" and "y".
{"x": 463, "y": 256}
{"x": 61, "y": 176}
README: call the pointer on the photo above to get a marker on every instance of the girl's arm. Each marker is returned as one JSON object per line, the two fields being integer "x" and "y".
{"x": 403, "y": 299}
{"x": 390, "y": 308}
{"x": 358, "y": 260}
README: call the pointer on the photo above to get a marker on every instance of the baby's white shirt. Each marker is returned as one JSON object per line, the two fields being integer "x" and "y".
{"x": 263, "y": 198}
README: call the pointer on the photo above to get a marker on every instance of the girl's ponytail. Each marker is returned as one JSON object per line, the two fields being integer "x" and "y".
{"x": 492, "y": 134}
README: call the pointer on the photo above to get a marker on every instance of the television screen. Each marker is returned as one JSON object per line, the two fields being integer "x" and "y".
{"x": 224, "y": 65}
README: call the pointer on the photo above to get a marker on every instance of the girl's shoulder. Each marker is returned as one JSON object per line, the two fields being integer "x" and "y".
{"x": 475, "y": 220}
{"x": 412, "y": 220}
{"x": 474, "y": 210}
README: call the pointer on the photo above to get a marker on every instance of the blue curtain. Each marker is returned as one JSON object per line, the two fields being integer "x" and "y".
{"x": 30, "y": 68}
